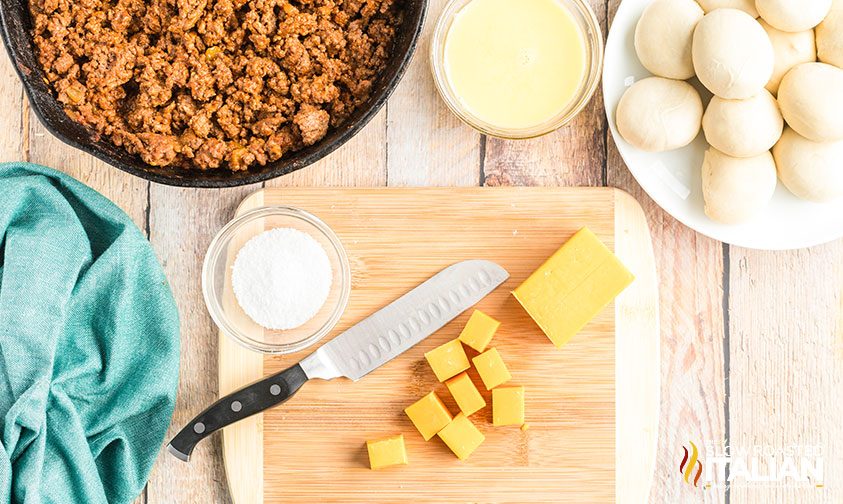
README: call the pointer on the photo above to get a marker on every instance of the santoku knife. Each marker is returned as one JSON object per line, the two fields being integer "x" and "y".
{"x": 359, "y": 350}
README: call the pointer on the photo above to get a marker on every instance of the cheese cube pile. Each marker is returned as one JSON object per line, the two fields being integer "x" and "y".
{"x": 450, "y": 364}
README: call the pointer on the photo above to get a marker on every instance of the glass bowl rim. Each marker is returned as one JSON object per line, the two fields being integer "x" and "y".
{"x": 591, "y": 81}
{"x": 216, "y": 248}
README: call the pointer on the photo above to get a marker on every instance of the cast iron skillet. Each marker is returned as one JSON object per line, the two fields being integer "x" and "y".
{"x": 17, "y": 36}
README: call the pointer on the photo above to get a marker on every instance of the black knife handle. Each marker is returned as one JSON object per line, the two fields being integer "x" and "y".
{"x": 236, "y": 406}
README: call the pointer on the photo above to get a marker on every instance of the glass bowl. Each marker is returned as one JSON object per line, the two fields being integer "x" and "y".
{"x": 585, "y": 19}
{"x": 219, "y": 296}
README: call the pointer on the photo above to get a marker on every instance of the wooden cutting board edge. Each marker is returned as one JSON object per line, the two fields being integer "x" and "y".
{"x": 637, "y": 370}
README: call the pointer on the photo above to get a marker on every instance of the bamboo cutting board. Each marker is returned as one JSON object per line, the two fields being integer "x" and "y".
{"x": 592, "y": 406}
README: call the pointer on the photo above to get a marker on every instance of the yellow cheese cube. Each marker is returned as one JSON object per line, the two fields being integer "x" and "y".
{"x": 465, "y": 393}
{"x": 447, "y": 360}
{"x": 387, "y": 452}
{"x": 462, "y": 436}
{"x": 492, "y": 370}
{"x": 573, "y": 286}
{"x": 479, "y": 330}
{"x": 429, "y": 415}
{"x": 508, "y": 406}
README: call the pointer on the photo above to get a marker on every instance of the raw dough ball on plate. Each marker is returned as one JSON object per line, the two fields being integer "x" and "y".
{"x": 737, "y": 189}
{"x": 793, "y": 15}
{"x": 811, "y": 170}
{"x": 733, "y": 56}
{"x": 663, "y": 37}
{"x": 743, "y": 128}
{"x": 811, "y": 100}
{"x": 657, "y": 114}
{"x": 747, "y": 6}
{"x": 790, "y": 49}
{"x": 830, "y": 36}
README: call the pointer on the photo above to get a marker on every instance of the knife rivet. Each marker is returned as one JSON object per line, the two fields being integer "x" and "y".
{"x": 236, "y": 406}
{"x": 275, "y": 389}
{"x": 199, "y": 428}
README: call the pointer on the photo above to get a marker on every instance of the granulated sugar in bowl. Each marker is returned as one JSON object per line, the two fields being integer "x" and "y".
{"x": 281, "y": 278}
{"x": 276, "y": 279}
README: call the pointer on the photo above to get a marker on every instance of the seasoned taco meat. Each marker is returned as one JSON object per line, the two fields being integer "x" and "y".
{"x": 213, "y": 83}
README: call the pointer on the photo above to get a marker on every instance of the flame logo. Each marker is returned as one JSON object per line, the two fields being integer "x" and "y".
{"x": 686, "y": 467}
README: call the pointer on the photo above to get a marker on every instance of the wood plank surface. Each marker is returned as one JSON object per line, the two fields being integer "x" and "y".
{"x": 786, "y": 371}
{"x": 691, "y": 290}
{"x": 750, "y": 340}
{"x": 426, "y": 143}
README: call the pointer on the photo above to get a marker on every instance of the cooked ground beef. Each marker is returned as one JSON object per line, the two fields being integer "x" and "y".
{"x": 213, "y": 83}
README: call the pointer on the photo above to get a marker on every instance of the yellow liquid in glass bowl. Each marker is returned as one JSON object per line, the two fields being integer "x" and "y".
{"x": 515, "y": 64}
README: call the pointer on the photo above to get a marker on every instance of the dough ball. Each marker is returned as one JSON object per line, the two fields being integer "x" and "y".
{"x": 657, "y": 114}
{"x": 747, "y": 6}
{"x": 830, "y": 36}
{"x": 811, "y": 170}
{"x": 793, "y": 15}
{"x": 743, "y": 128}
{"x": 737, "y": 189}
{"x": 790, "y": 49}
{"x": 733, "y": 56}
{"x": 811, "y": 100}
{"x": 663, "y": 37}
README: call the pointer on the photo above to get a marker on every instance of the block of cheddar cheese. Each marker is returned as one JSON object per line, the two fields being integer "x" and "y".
{"x": 573, "y": 286}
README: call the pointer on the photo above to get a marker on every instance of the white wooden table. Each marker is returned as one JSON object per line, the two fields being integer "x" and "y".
{"x": 752, "y": 342}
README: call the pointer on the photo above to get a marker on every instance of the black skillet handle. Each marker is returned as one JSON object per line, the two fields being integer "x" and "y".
{"x": 236, "y": 406}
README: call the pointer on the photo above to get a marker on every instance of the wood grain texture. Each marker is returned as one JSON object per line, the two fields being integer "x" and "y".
{"x": 521, "y": 236}
{"x": 14, "y": 113}
{"x": 182, "y": 224}
{"x": 693, "y": 366}
{"x": 786, "y": 329}
{"x": 426, "y": 143}
{"x": 637, "y": 341}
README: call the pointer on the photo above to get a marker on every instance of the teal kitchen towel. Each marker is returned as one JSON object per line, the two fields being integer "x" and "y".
{"x": 89, "y": 344}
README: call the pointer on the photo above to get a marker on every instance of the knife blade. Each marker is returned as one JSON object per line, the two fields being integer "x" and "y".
{"x": 361, "y": 349}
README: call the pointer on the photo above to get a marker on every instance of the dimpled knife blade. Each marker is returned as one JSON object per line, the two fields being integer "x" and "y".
{"x": 406, "y": 321}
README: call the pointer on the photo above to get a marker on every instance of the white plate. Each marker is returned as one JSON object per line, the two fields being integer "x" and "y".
{"x": 672, "y": 178}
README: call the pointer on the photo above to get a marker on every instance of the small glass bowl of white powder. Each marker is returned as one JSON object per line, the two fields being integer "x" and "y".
{"x": 276, "y": 279}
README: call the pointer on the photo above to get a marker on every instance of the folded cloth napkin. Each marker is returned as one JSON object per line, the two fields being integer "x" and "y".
{"x": 89, "y": 344}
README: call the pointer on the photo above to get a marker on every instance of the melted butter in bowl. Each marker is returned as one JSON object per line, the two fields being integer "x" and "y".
{"x": 517, "y": 69}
